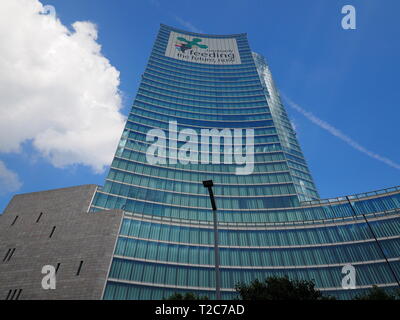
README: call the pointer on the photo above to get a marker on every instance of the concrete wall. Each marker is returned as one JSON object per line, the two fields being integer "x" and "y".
{"x": 78, "y": 236}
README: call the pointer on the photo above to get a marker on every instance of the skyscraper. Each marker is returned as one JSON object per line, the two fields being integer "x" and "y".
{"x": 271, "y": 221}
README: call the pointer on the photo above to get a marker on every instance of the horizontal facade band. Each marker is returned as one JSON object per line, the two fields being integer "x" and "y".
{"x": 197, "y": 182}
{"x": 165, "y": 103}
{"x": 212, "y": 172}
{"x": 201, "y": 208}
{"x": 205, "y": 289}
{"x": 190, "y": 194}
{"x": 269, "y": 125}
{"x": 180, "y": 116}
{"x": 193, "y": 84}
{"x": 292, "y": 163}
{"x": 202, "y": 109}
{"x": 167, "y": 74}
{"x": 302, "y": 246}
{"x": 256, "y": 154}
{"x": 233, "y": 71}
{"x": 168, "y": 95}
{"x": 196, "y": 77}
{"x": 182, "y": 127}
{"x": 293, "y": 225}
{"x": 285, "y": 173}
{"x": 244, "y": 268}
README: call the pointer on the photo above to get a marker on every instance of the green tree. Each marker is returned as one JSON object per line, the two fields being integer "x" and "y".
{"x": 376, "y": 293}
{"x": 279, "y": 288}
{"x": 186, "y": 296}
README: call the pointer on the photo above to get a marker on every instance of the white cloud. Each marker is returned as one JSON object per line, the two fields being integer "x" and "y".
{"x": 9, "y": 181}
{"x": 337, "y": 133}
{"x": 57, "y": 90}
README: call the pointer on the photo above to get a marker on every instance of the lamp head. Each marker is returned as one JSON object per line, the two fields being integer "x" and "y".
{"x": 208, "y": 183}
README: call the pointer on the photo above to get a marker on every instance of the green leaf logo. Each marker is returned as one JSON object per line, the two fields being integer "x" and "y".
{"x": 186, "y": 44}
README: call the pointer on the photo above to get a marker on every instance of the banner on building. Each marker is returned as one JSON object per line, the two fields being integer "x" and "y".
{"x": 219, "y": 51}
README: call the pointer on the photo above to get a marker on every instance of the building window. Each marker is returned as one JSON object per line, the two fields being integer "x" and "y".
{"x": 15, "y": 220}
{"x": 18, "y": 294}
{"x": 8, "y": 255}
{"x": 9, "y": 294}
{"x": 14, "y": 294}
{"x": 5, "y": 257}
{"x": 40, "y": 215}
{"x": 52, "y": 231}
{"x": 79, "y": 268}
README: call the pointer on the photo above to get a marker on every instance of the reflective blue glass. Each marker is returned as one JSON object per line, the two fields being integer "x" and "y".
{"x": 271, "y": 222}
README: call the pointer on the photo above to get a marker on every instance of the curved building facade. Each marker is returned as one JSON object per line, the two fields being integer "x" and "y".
{"x": 271, "y": 221}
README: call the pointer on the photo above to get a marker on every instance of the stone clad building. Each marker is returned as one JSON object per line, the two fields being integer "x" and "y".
{"x": 55, "y": 228}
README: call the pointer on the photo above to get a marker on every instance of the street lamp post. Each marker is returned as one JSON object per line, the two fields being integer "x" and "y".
{"x": 376, "y": 240}
{"x": 208, "y": 184}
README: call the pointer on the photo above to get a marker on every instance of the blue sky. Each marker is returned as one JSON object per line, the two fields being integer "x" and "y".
{"x": 347, "y": 78}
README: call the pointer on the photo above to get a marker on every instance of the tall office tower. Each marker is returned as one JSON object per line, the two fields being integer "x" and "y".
{"x": 197, "y": 82}
{"x": 302, "y": 179}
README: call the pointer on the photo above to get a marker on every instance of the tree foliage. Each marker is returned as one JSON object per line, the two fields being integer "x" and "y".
{"x": 282, "y": 288}
{"x": 376, "y": 293}
{"x": 186, "y": 296}
{"x": 279, "y": 288}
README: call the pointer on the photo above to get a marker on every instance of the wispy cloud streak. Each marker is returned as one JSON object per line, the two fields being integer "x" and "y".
{"x": 184, "y": 23}
{"x": 188, "y": 25}
{"x": 337, "y": 133}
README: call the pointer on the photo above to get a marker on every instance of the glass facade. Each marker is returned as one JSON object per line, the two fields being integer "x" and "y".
{"x": 271, "y": 222}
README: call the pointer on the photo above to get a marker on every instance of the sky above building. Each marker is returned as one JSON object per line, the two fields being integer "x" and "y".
{"x": 66, "y": 85}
